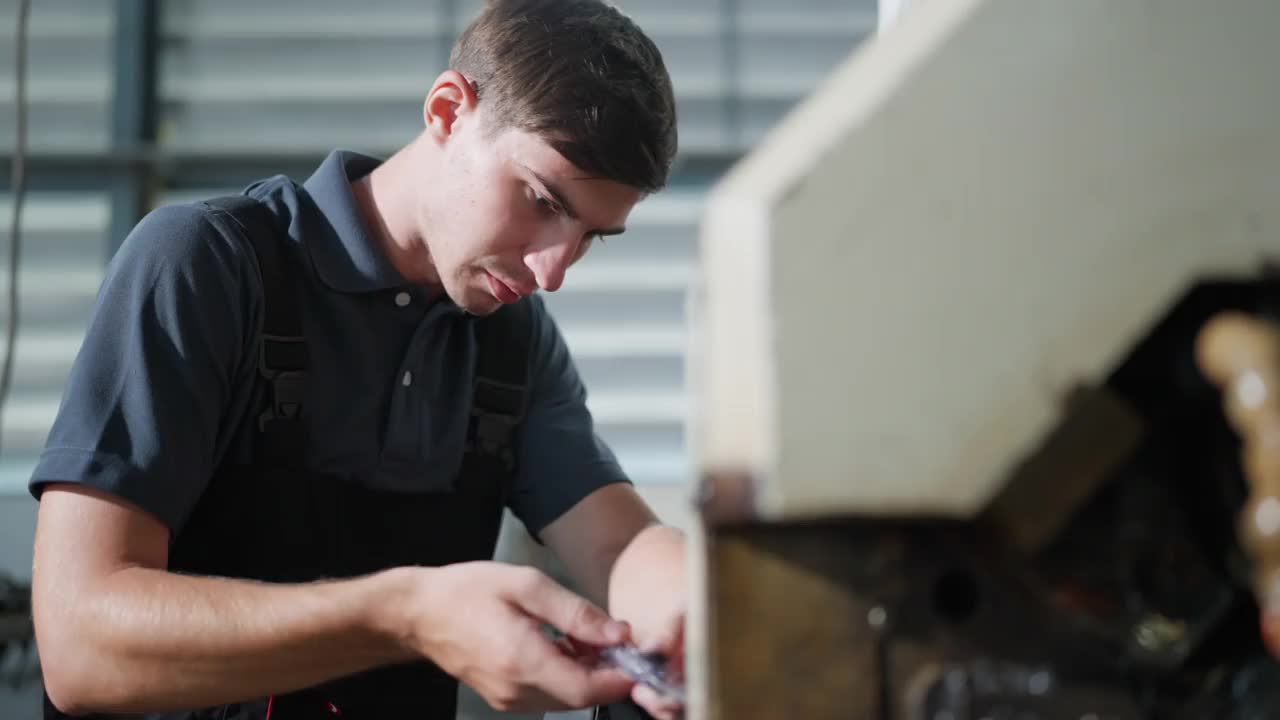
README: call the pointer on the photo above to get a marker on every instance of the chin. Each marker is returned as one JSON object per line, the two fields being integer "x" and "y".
{"x": 479, "y": 303}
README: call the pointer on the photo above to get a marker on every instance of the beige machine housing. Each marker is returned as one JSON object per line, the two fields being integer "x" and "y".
{"x": 983, "y": 209}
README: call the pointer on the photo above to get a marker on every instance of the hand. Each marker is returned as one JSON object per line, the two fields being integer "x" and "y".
{"x": 482, "y": 623}
{"x": 646, "y": 589}
{"x": 668, "y": 641}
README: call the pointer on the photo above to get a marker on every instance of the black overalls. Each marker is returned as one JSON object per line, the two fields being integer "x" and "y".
{"x": 278, "y": 521}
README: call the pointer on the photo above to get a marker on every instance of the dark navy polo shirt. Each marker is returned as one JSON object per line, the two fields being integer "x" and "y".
{"x": 160, "y": 393}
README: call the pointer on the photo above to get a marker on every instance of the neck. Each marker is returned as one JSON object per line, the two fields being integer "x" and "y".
{"x": 388, "y": 207}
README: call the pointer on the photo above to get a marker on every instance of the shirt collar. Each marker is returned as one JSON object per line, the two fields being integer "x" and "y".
{"x": 347, "y": 258}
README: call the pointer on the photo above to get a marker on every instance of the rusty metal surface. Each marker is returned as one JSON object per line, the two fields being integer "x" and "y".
{"x": 1110, "y": 579}
{"x": 865, "y": 619}
{"x": 1097, "y": 432}
{"x": 788, "y": 638}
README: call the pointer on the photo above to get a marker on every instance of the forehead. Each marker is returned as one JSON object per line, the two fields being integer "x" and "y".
{"x": 527, "y": 149}
{"x": 529, "y": 155}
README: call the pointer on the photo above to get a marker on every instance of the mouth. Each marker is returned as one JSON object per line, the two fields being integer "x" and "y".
{"x": 504, "y": 292}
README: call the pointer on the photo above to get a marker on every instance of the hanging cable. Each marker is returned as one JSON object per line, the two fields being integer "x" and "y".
{"x": 17, "y": 188}
{"x": 15, "y": 600}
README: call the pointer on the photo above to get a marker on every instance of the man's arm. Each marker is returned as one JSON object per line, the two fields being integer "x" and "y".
{"x": 616, "y": 550}
{"x": 613, "y": 546}
{"x": 118, "y": 633}
{"x": 572, "y": 493}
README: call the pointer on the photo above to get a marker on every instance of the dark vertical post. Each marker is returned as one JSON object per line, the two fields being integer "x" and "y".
{"x": 134, "y": 112}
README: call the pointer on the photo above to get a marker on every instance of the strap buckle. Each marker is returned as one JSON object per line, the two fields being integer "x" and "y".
{"x": 281, "y": 353}
{"x": 495, "y": 415}
{"x": 287, "y": 392}
{"x": 282, "y": 360}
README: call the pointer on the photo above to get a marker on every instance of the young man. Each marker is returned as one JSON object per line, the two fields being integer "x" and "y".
{"x": 212, "y": 536}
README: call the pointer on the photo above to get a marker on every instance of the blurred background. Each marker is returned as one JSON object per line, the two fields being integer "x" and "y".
{"x": 136, "y": 103}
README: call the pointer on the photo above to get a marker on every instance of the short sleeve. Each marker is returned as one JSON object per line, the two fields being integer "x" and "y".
{"x": 144, "y": 414}
{"x": 562, "y": 459}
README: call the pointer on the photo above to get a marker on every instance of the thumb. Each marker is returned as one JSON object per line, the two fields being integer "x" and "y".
{"x": 570, "y": 613}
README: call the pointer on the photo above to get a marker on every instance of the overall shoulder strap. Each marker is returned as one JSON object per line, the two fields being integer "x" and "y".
{"x": 282, "y": 352}
{"x": 501, "y": 387}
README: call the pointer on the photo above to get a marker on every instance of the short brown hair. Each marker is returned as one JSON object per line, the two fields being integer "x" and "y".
{"x": 580, "y": 74}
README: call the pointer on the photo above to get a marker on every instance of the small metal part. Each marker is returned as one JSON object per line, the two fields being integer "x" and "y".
{"x": 1157, "y": 633}
{"x": 646, "y": 669}
{"x": 877, "y": 616}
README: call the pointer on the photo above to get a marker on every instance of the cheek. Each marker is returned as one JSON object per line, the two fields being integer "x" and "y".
{"x": 499, "y": 250}
{"x": 500, "y": 228}
{"x": 486, "y": 243}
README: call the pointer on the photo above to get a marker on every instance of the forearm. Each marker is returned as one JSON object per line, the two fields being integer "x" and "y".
{"x": 622, "y": 557}
{"x": 142, "y": 640}
{"x": 647, "y": 580}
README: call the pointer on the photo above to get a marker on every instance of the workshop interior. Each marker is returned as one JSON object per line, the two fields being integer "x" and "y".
{"x": 952, "y": 345}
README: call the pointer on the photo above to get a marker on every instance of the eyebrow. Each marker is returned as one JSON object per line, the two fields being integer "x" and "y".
{"x": 560, "y": 199}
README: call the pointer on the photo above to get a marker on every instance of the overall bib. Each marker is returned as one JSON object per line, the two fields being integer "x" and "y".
{"x": 277, "y": 521}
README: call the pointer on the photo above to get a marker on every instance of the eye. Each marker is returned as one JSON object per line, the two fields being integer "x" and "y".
{"x": 545, "y": 205}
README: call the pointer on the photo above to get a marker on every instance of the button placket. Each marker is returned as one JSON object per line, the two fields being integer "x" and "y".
{"x": 417, "y": 452}
{"x": 408, "y": 418}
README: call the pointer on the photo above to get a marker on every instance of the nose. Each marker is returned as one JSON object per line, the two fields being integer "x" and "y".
{"x": 550, "y": 260}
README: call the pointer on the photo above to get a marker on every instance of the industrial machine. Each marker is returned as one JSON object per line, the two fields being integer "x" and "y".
{"x": 987, "y": 361}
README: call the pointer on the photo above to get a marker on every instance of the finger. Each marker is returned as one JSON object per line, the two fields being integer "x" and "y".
{"x": 675, "y": 653}
{"x": 660, "y": 707}
{"x": 573, "y": 614}
{"x": 675, "y": 661}
{"x": 577, "y": 685}
{"x": 584, "y": 652}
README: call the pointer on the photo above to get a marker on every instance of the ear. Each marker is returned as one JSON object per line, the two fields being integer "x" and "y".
{"x": 451, "y": 98}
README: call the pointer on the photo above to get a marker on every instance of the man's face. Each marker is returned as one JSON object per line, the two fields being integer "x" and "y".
{"x": 509, "y": 215}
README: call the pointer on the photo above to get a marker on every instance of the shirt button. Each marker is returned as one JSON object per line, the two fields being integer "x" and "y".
{"x": 407, "y": 380}
{"x": 402, "y": 299}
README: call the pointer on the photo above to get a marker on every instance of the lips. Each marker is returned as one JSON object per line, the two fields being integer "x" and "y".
{"x": 502, "y": 291}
